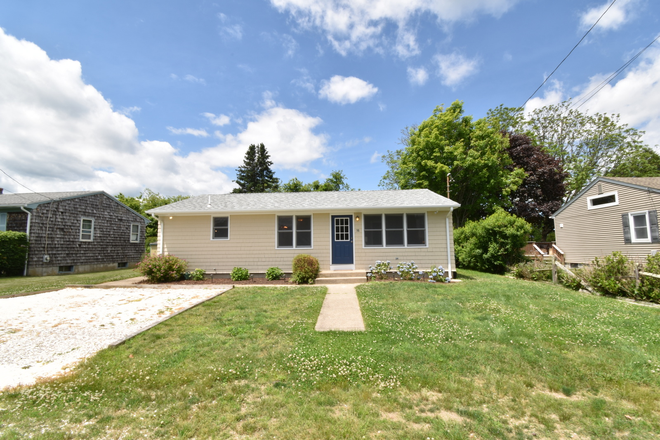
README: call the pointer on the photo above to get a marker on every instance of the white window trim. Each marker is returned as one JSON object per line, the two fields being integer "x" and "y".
{"x": 3, "y": 221}
{"x": 91, "y": 230}
{"x": 633, "y": 238}
{"x": 213, "y": 217}
{"x": 295, "y": 229}
{"x": 405, "y": 232}
{"x": 605, "y": 205}
{"x": 137, "y": 240}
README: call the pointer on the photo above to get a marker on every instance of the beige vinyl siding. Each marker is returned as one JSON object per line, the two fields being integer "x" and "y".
{"x": 425, "y": 257}
{"x": 590, "y": 233}
{"x": 252, "y": 243}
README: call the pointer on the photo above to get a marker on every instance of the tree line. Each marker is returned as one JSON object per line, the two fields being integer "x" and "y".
{"x": 528, "y": 165}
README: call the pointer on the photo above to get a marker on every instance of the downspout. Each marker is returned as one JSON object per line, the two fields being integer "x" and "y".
{"x": 451, "y": 210}
{"x": 27, "y": 256}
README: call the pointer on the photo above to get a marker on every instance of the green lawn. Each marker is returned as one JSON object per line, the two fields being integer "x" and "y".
{"x": 20, "y": 285}
{"x": 491, "y": 357}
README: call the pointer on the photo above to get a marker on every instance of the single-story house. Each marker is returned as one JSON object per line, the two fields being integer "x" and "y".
{"x": 610, "y": 214}
{"x": 74, "y": 232}
{"x": 344, "y": 230}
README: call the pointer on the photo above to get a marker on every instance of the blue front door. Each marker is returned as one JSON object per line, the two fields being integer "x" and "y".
{"x": 342, "y": 239}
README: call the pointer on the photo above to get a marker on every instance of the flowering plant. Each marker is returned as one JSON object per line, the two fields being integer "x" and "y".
{"x": 408, "y": 271}
{"x": 162, "y": 268}
{"x": 437, "y": 274}
{"x": 379, "y": 271}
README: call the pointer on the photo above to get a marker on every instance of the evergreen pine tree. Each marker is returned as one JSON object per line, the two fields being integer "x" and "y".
{"x": 255, "y": 175}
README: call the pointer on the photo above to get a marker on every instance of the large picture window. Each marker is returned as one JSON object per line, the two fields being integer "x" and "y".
{"x": 394, "y": 230}
{"x": 294, "y": 231}
{"x": 86, "y": 229}
{"x": 220, "y": 228}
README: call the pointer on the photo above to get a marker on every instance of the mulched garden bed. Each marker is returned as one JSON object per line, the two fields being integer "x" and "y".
{"x": 227, "y": 281}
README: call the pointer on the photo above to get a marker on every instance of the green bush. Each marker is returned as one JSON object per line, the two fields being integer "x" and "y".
{"x": 240, "y": 274}
{"x": 570, "y": 282}
{"x": 274, "y": 273}
{"x": 197, "y": 275}
{"x": 491, "y": 244}
{"x": 13, "y": 252}
{"x": 162, "y": 268}
{"x": 533, "y": 270}
{"x": 305, "y": 269}
{"x": 649, "y": 288}
{"x": 613, "y": 275}
{"x": 379, "y": 271}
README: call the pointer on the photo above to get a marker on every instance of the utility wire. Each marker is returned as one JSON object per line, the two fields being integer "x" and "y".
{"x": 610, "y": 78}
{"x": 3, "y": 172}
{"x": 569, "y": 54}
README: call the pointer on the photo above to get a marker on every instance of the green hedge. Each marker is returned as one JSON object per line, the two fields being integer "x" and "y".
{"x": 13, "y": 252}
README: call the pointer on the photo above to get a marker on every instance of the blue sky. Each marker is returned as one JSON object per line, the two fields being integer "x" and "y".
{"x": 167, "y": 95}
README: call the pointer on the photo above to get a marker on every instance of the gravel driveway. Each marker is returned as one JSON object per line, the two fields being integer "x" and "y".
{"x": 47, "y": 334}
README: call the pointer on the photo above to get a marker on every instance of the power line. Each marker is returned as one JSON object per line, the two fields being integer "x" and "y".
{"x": 593, "y": 92}
{"x": 569, "y": 54}
{"x": 3, "y": 171}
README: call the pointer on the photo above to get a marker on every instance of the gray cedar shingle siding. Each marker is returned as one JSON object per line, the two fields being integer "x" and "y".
{"x": 17, "y": 221}
{"x": 111, "y": 244}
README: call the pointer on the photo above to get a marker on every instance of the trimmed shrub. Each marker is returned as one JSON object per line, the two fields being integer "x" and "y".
{"x": 274, "y": 273}
{"x": 197, "y": 275}
{"x": 491, "y": 244}
{"x": 649, "y": 288}
{"x": 240, "y": 274}
{"x": 305, "y": 269}
{"x": 13, "y": 252}
{"x": 612, "y": 275}
{"x": 162, "y": 268}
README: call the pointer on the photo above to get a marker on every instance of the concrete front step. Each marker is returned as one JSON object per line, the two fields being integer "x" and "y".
{"x": 341, "y": 280}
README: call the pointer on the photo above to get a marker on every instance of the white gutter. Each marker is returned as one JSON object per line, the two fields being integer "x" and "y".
{"x": 27, "y": 232}
{"x": 451, "y": 210}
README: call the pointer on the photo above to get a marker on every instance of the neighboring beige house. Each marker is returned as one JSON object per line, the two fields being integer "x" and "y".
{"x": 345, "y": 230}
{"x": 610, "y": 214}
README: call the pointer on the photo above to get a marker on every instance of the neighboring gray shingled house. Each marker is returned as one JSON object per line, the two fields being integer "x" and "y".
{"x": 610, "y": 214}
{"x": 74, "y": 232}
{"x": 343, "y": 229}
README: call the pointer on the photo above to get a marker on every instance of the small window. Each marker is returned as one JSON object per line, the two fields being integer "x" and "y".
{"x": 294, "y": 231}
{"x": 3, "y": 221}
{"x": 122, "y": 265}
{"x": 65, "y": 269}
{"x": 394, "y": 230}
{"x": 220, "y": 228}
{"x": 603, "y": 200}
{"x": 639, "y": 227}
{"x": 87, "y": 229}
{"x": 135, "y": 233}
{"x": 373, "y": 230}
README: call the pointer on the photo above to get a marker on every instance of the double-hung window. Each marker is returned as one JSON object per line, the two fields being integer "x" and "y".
{"x": 220, "y": 228}
{"x": 3, "y": 221}
{"x": 294, "y": 231}
{"x": 86, "y": 229}
{"x": 394, "y": 230}
{"x": 135, "y": 232}
{"x": 640, "y": 232}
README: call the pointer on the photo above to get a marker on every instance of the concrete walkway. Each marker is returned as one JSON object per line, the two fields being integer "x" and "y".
{"x": 341, "y": 310}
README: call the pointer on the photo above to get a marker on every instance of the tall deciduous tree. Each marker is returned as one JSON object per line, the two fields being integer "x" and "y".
{"x": 336, "y": 182}
{"x": 148, "y": 200}
{"x": 255, "y": 175}
{"x": 474, "y": 153}
{"x": 542, "y": 190}
{"x": 642, "y": 163}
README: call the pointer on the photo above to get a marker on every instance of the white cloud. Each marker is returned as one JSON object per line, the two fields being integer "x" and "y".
{"x": 305, "y": 82}
{"x": 355, "y": 26}
{"x": 375, "y": 157}
{"x": 620, "y": 13}
{"x": 453, "y": 68}
{"x": 346, "y": 90}
{"x": 553, "y": 94}
{"x": 128, "y": 111}
{"x": 197, "y": 132}
{"x": 635, "y": 97}
{"x": 417, "y": 76}
{"x": 229, "y": 28}
{"x": 58, "y": 133}
{"x": 193, "y": 79}
{"x": 219, "y": 120}
{"x": 290, "y": 45}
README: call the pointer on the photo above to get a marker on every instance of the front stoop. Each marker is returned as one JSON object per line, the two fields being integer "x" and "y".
{"x": 342, "y": 277}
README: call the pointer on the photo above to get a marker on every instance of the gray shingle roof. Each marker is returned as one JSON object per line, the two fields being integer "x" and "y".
{"x": 646, "y": 182}
{"x": 22, "y": 199}
{"x": 308, "y": 201}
